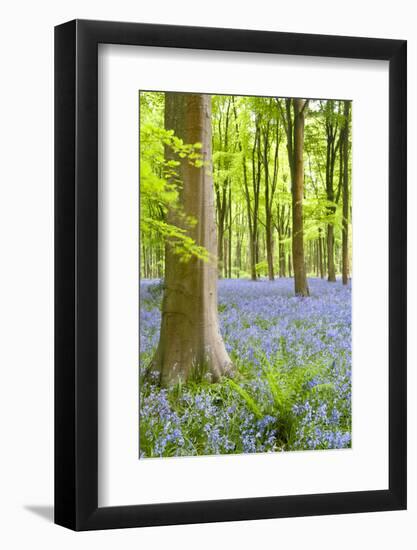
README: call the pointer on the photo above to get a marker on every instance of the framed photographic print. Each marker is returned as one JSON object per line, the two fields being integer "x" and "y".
{"x": 230, "y": 252}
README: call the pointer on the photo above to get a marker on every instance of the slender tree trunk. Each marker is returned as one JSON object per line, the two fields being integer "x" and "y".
{"x": 300, "y": 279}
{"x": 220, "y": 247}
{"x": 269, "y": 249}
{"x": 238, "y": 245}
{"x": 332, "y": 126}
{"x": 282, "y": 229}
{"x": 330, "y": 253}
{"x": 158, "y": 262}
{"x": 256, "y": 184}
{"x": 252, "y": 255}
{"x": 143, "y": 262}
{"x": 320, "y": 243}
{"x": 221, "y": 202}
{"x": 257, "y": 249}
{"x": 345, "y": 228}
{"x": 251, "y": 209}
{"x": 238, "y": 256}
{"x": 230, "y": 232}
{"x": 270, "y": 187}
{"x": 190, "y": 345}
{"x": 225, "y": 257}
{"x": 281, "y": 249}
{"x": 294, "y": 128}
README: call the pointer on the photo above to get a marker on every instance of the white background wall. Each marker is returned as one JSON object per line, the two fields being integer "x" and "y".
{"x": 26, "y": 272}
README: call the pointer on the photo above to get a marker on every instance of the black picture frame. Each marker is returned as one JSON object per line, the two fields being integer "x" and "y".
{"x": 76, "y": 272}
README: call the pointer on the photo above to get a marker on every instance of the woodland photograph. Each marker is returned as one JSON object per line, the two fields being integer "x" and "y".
{"x": 245, "y": 245}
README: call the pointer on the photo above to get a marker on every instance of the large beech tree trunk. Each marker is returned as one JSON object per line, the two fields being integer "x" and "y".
{"x": 300, "y": 279}
{"x": 190, "y": 345}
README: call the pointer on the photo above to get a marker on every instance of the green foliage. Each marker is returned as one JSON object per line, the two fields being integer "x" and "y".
{"x": 240, "y": 401}
{"x": 287, "y": 385}
{"x": 251, "y": 403}
{"x": 262, "y": 268}
{"x": 160, "y": 184}
{"x": 249, "y": 150}
{"x": 246, "y": 134}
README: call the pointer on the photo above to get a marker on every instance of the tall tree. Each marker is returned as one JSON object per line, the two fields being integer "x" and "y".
{"x": 345, "y": 223}
{"x": 254, "y": 188}
{"x": 300, "y": 279}
{"x": 222, "y": 186}
{"x": 320, "y": 247}
{"x": 252, "y": 204}
{"x": 282, "y": 225}
{"x": 190, "y": 344}
{"x": 293, "y": 118}
{"x": 331, "y": 125}
{"x": 270, "y": 183}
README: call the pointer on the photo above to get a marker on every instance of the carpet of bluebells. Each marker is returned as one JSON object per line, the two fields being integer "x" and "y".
{"x": 292, "y": 388}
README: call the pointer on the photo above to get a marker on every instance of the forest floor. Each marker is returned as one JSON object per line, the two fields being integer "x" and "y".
{"x": 292, "y": 388}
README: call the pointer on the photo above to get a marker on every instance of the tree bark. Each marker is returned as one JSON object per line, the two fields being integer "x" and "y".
{"x": 270, "y": 188}
{"x": 220, "y": 237}
{"x": 294, "y": 128}
{"x": 256, "y": 184}
{"x": 269, "y": 248}
{"x": 345, "y": 226}
{"x": 320, "y": 244}
{"x": 300, "y": 279}
{"x": 331, "y": 153}
{"x": 282, "y": 226}
{"x": 281, "y": 260}
{"x": 330, "y": 254}
{"x": 252, "y": 213}
{"x": 230, "y": 232}
{"x": 190, "y": 345}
